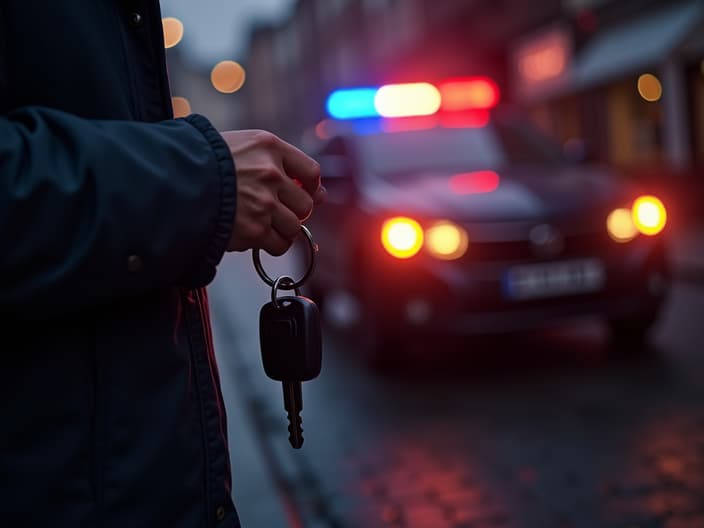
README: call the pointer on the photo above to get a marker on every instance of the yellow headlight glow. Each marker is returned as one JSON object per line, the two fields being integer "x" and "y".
{"x": 649, "y": 215}
{"x": 446, "y": 241}
{"x": 620, "y": 225}
{"x": 402, "y": 237}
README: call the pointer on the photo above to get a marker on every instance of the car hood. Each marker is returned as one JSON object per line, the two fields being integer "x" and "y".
{"x": 523, "y": 193}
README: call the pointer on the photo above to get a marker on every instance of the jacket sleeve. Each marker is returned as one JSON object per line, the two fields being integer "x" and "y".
{"x": 93, "y": 212}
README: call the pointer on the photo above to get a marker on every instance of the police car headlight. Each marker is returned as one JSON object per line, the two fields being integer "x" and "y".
{"x": 649, "y": 215}
{"x": 446, "y": 240}
{"x": 620, "y": 225}
{"x": 402, "y": 237}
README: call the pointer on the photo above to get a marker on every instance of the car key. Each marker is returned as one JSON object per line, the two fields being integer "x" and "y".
{"x": 293, "y": 404}
{"x": 291, "y": 347}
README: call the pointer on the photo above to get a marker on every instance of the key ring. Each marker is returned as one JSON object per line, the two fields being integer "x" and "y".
{"x": 287, "y": 284}
{"x": 282, "y": 283}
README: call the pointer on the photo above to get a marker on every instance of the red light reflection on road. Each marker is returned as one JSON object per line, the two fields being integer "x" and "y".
{"x": 421, "y": 486}
{"x": 476, "y": 182}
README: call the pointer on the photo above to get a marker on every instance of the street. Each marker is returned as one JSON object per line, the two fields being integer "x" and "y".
{"x": 536, "y": 430}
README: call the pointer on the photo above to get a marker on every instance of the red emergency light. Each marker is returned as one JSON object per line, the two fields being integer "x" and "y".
{"x": 471, "y": 93}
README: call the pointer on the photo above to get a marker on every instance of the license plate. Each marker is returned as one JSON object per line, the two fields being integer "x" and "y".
{"x": 533, "y": 281}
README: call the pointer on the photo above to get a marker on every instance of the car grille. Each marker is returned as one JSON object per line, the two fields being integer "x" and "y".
{"x": 583, "y": 244}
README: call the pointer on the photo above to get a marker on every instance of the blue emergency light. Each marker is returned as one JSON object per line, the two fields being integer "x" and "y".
{"x": 352, "y": 103}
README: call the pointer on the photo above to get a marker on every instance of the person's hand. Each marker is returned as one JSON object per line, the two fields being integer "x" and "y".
{"x": 277, "y": 186}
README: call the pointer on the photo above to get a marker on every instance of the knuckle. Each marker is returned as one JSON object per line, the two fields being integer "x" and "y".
{"x": 264, "y": 204}
{"x": 267, "y": 139}
{"x": 270, "y": 172}
{"x": 268, "y": 204}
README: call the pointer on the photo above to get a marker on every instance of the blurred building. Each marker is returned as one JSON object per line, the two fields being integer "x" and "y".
{"x": 331, "y": 43}
{"x": 625, "y": 75}
{"x": 193, "y": 91}
{"x": 576, "y": 66}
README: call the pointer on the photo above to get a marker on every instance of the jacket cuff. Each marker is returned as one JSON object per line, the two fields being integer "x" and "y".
{"x": 204, "y": 271}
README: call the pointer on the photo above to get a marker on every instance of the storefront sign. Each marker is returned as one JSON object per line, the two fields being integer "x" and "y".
{"x": 541, "y": 62}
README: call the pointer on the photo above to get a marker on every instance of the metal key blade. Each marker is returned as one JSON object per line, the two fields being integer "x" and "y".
{"x": 293, "y": 403}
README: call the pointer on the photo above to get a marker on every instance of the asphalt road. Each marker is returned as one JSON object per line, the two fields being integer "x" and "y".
{"x": 538, "y": 430}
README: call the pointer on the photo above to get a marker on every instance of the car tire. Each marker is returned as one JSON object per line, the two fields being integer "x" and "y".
{"x": 629, "y": 336}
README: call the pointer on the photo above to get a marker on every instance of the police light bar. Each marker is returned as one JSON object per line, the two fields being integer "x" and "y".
{"x": 413, "y": 99}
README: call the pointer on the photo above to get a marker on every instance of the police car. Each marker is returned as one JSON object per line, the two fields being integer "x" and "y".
{"x": 448, "y": 215}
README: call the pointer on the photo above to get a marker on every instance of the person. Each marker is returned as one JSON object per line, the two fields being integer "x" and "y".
{"x": 113, "y": 218}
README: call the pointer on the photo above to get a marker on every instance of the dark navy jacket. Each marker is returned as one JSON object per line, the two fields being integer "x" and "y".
{"x": 113, "y": 217}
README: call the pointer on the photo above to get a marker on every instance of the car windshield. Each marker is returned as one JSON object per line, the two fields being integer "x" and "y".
{"x": 496, "y": 145}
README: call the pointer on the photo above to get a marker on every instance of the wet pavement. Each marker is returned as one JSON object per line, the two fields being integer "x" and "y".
{"x": 536, "y": 430}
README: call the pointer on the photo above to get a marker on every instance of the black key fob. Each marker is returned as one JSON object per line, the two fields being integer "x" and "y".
{"x": 290, "y": 339}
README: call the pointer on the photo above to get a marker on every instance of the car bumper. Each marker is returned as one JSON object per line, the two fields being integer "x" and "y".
{"x": 442, "y": 298}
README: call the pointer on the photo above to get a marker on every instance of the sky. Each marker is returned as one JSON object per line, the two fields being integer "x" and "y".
{"x": 216, "y": 30}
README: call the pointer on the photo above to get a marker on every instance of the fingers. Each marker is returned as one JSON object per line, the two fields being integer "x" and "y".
{"x": 300, "y": 166}
{"x": 277, "y": 187}
{"x": 285, "y": 223}
{"x": 275, "y": 244}
{"x": 263, "y": 221}
{"x": 274, "y": 235}
{"x": 284, "y": 229}
{"x": 296, "y": 199}
{"x": 320, "y": 195}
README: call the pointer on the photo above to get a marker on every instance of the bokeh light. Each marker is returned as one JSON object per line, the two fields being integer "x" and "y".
{"x": 227, "y": 76}
{"x": 649, "y": 87}
{"x": 446, "y": 241}
{"x": 620, "y": 225}
{"x": 479, "y": 92}
{"x": 411, "y": 99}
{"x": 649, "y": 215}
{"x": 547, "y": 62}
{"x": 181, "y": 106}
{"x": 476, "y": 182}
{"x": 402, "y": 237}
{"x": 173, "y": 31}
{"x": 324, "y": 129}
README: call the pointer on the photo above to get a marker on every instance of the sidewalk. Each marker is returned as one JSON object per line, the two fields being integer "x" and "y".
{"x": 683, "y": 195}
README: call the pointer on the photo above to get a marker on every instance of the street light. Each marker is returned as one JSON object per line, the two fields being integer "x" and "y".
{"x": 649, "y": 87}
{"x": 181, "y": 106}
{"x": 173, "y": 31}
{"x": 227, "y": 76}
